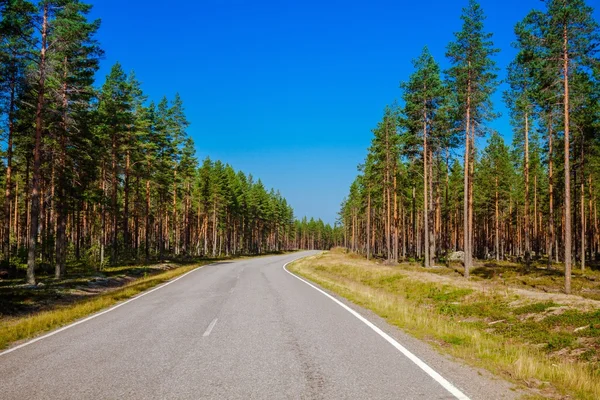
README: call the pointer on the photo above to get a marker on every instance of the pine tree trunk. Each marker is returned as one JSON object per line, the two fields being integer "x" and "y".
{"x": 551, "y": 248}
{"x": 589, "y": 226}
{"x": 466, "y": 233}
{"x": 114, "y": 203}
{"x": 37, "y": 156}
{"x": 147, "y": 223}
{"x": 535, "y": 214}
{"x": 526, "y": 227}
{"x": 368, "y": 224}
{"x": 175, "y": 227}
{"x": 425, "y": 195}
{"x": 16, "y": 225}
{"x": 188, "y": 225}
{"x": 395, "y": 220}
{"x": 61, "y": 210}
{"x": 582, "y": 223}
{"x": 9, "y": 155}
{"x": 103, "y": 216}
{"x": 446, "y": 221}
{"x": 214, "y": 250}
{"x": 431, "y": 216}
{"x": 567, "y": 226}
{"x": 126, "y": 190}
{"x": 582, "y": 205}
{"x": 496, "y": 223}
{"x": 414, "y": 222}
{"x": 471, "y": 175}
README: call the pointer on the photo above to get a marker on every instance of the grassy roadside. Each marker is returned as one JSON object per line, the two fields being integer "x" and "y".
{"x": 551, "y": 348}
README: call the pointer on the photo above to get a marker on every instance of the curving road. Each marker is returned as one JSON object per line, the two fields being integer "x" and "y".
{"x": 236, "y": 330}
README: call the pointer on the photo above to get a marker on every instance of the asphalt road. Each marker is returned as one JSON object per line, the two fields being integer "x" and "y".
{"x": 239, "y": 330}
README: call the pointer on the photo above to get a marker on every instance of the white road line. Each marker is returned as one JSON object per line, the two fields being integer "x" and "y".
{"x": 64, "y": 328}
{"x": 210, "y": 327}
{"x": 428, "y": 370}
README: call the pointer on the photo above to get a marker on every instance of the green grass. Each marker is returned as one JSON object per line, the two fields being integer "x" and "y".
{"x": 542, "y": 345}
{"x": 534, "y": 308}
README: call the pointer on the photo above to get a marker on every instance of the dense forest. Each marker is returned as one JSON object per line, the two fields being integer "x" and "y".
{"x": 100, "y": 174}
{"x": 425, "y": 190}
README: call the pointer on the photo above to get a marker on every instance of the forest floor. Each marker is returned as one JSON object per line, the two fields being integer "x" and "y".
{"x": 513, "y": 322}
{"x": 29, "y": 310}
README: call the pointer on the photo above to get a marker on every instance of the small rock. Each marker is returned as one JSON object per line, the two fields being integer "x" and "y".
{"x": 457, "y": 256}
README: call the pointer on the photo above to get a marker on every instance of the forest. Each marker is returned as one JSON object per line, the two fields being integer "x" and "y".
{"x": 427, "y": 192}
{"x": 98, "y": 174}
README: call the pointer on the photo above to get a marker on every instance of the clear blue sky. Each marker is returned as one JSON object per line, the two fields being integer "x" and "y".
{"x": 289, "y": 90}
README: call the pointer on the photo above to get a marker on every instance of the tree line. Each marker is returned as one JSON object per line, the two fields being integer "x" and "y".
{"x": 425, "y": 190}
{"x": 101, "y": 175}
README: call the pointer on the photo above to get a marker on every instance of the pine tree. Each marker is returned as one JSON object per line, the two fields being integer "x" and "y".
{"x": 16, "y": 31}
{"x": 520, "y": 102}
{"x": 424, "y": 95}
{"x": 76, "y": 61}
{"x": 565, "y": 32}
{"x": 495, "y": 177}
{"x": 472, "y": 77}
{"x": 116, "y": 116}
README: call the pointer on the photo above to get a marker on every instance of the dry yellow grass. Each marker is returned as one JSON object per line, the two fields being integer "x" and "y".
{"x": 412, "y": 304}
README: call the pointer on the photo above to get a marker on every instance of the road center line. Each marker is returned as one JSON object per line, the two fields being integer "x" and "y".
{"x": 421, "y": 364}
{"x": 210, "y": 327}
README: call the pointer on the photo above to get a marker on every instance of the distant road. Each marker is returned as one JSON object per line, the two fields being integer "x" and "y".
{"x": 238, "y": 330}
